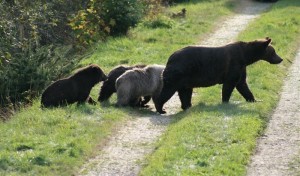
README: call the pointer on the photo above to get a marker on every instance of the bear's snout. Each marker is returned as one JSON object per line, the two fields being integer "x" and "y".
{"x": 276, "y": 60}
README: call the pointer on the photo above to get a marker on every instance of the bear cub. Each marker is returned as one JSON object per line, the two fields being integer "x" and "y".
{"x": 75, "y": 88}
{"x": 198, "y": 66}
{"x": 138, "y": 82}
{"x": 108, "y": 87}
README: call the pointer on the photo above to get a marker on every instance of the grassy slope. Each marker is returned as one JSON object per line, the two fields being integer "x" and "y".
{"x": 216, "y": 139}
{"x": 57, "y": 141}
{"x": 49, "y": 142}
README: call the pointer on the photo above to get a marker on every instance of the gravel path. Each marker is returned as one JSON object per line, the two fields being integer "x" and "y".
{"x": 124, "y": 152}
{"x": 281, "y": 142}
{"x": 229, "y": 29}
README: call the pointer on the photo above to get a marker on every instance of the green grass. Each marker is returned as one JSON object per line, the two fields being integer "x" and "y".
{"x": 218, "y": 139}
{"x": 52, "y": 142}
{"x": 58, "y": 141}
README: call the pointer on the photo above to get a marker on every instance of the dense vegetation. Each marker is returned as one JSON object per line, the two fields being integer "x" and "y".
{"x": 34, "y": 38}
{"x": 41, "y": 41}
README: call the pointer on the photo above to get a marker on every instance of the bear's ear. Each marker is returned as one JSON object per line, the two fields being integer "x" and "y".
{"x": 267, "y": 42}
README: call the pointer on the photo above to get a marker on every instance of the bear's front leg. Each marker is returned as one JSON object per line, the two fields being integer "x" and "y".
{"x": 107, "y": 89}
{"x": 185, "y": 95}
{"x": 243, "y": 88}
{"x": 245, "y": 91}
{"x": 166, "y": 93}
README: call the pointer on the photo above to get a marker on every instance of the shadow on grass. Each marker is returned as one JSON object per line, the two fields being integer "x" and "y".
{"x": 226, "y": 109}
{"x": 142, "y": 112}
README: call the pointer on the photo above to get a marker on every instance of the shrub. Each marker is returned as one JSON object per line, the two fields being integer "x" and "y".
{"x": 26, "y": 75}
{"x": 120, "y": 15}
{"x": 33, "y": 46}
{"x": 106, "y": 17}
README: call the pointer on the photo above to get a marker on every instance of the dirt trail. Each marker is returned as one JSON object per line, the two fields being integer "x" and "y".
{"x": 281, "y": 142}
{"x": 125, "y": 150}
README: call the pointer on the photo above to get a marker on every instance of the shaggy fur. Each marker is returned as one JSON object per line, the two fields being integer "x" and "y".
{"x": 75, "y": 88}
{"x": 197, "y": 66}
{"x": 108, "y": 87}
{"x": 139, "y": 82}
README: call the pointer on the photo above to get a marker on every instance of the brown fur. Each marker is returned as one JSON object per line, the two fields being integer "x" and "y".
{"x": 199, "y": 66}
{"x": 75, "y": 88}
{"x": 134, "y": 84}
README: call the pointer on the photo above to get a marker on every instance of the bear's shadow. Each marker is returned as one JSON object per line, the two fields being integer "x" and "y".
{"x": 227, "y": 109}
{"x": 143, "y": 112}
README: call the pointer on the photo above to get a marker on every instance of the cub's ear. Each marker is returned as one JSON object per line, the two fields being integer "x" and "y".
{"x": 267, "y": 42}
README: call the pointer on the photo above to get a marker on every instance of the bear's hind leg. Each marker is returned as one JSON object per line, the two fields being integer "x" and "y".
{"x": 123, "y": 97}
{"x": 185, "y": 95}
{"x": 226, "y": 92}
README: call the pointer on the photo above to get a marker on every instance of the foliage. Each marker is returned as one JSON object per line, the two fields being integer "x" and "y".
{"x": 106, "y": 17}
{"x": 25, "y": 75}
{"x": 32, "y": 36}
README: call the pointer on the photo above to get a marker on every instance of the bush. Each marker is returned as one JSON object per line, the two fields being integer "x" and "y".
{"x": 120, "y": 15}
{"x": 26, "y": 75}
{"x": 33, "y": 40}
{"x": 106, "y": 17}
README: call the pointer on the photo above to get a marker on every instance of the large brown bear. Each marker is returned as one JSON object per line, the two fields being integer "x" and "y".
{"x": 198, "y": 66}
{"x": 138, "y": 82}
{"x": 75, "y": 88}
{"x": 108, "y": 87}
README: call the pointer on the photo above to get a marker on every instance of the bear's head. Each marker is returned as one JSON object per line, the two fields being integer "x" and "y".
{"x": 91, "y": 74}
{"x": 269, "y": 53}
{"x": 97, "y": 73}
